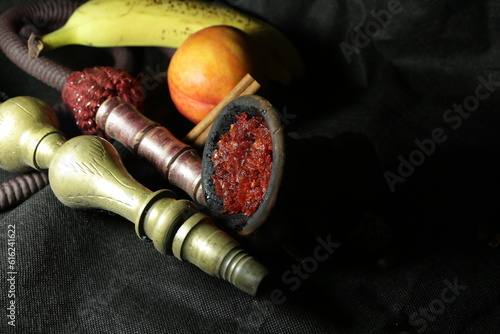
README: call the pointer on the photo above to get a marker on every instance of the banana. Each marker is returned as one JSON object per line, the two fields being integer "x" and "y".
{"x": 166, "y": 23}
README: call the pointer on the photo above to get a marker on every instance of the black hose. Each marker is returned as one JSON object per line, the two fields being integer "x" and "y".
{"x": 52, "y": 14}
{"x": 20, "y": 188}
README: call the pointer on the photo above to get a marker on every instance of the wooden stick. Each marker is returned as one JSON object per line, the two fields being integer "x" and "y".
{"x": 202, "y": 138}
{"x": 247, "y": 85}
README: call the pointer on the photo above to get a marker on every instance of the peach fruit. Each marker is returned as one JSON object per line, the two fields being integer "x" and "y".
{"x": 207, "y": 66}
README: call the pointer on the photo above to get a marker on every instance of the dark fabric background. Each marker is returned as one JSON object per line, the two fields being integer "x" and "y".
{"x": 87, "y": 272}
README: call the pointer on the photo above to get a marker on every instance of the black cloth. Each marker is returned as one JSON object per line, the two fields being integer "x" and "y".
{"x": 420, "y": 79}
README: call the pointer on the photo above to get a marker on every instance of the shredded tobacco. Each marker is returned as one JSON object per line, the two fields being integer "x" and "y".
{"x": 242, "y": 165}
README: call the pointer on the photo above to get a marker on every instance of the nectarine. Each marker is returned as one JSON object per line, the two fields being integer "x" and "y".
{"x": 207, "y": 66}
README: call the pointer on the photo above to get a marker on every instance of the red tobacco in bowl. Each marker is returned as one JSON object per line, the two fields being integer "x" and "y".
{"x": 246, "y": 148}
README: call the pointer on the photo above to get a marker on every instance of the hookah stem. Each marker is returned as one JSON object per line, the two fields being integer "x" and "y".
{"x": 176, "y": 161}
{"x": 86, "y": 172}
{"x": 50, "y": 13}
{"x": 179, "y": 163}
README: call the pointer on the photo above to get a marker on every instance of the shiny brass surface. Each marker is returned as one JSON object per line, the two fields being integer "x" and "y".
{"x": 24, "y": 121}
{"x": 86, "y": 172}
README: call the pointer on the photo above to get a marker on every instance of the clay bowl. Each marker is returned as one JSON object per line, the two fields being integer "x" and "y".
{"x": 253, "y": 105}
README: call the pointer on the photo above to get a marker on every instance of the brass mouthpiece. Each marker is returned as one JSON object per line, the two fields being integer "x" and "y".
{"x": 86, "y": 172}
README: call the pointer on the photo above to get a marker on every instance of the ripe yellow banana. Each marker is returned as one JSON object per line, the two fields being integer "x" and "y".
{"x": 166, "y": 23}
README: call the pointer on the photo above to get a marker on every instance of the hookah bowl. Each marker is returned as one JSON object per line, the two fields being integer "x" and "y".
{"x": 317, "y": 185}
{"x": 86, "y": 172}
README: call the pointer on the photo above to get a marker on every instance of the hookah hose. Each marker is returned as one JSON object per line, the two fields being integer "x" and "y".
{"x": 20, "y": 188}
{"x": 19, "y": 20}
{"x": 15, "y": 26}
